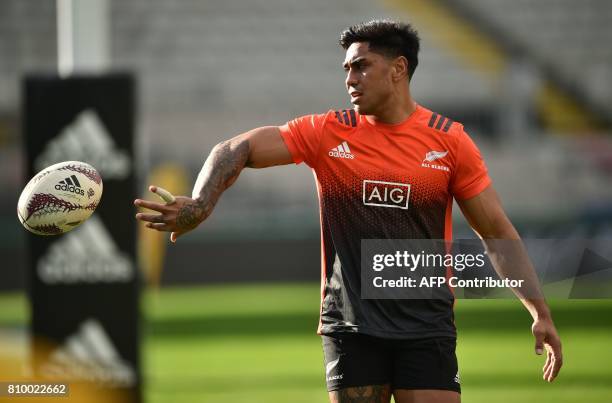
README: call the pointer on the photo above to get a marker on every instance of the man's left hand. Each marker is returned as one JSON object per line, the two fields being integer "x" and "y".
{"x": 546, "y": 336}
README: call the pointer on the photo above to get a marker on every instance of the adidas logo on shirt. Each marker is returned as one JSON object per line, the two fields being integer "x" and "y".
{"x": 341, "y": 151}
{"x": 70, "y": 184}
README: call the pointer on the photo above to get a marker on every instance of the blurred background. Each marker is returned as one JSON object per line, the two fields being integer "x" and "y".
{"x": 230, "y": 311}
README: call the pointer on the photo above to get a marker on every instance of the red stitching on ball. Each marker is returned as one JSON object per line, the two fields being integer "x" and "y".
{"x": 42, "y": 201}
{"x": 90, "y": 173}
{"x": 48, "y": 229}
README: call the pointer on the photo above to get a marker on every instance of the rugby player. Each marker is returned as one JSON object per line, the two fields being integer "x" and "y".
{"x": 375, "y": 349}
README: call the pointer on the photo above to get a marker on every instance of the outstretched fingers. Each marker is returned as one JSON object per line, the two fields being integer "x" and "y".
{"x": 151, "y": 218}
{"x": 163, "y": 194}
{"x": 162, "y": 208}
{"x": 178, "y": 215}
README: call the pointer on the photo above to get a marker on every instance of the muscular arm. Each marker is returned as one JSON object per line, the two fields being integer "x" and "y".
{"x": 258, "y": 148}
{"x": 486, "y": 216}
{"x": 504, "y": 246}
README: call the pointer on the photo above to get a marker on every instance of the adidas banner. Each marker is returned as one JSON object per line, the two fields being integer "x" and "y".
{"x": 84, "y": 286}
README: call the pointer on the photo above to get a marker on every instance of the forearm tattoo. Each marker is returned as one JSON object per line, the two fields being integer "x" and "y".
{"x": 362, "y": 394}
{"x": 219, "y": 172}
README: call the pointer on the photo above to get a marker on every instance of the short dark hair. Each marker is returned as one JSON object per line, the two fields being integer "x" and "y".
{"x": 387, "y": 37}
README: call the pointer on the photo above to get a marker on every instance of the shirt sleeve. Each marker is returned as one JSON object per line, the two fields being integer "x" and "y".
{"x": 470, "y": 176}
{"x": 302, "y": 137}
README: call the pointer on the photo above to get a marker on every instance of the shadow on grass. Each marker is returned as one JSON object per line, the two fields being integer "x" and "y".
{"x": 491, "y": 320}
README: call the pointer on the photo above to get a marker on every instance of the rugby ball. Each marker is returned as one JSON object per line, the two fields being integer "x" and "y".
{"x": 59, "y": 198}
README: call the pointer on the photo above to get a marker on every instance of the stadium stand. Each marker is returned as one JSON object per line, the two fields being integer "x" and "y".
{"x": 568, "y": 40}
{"x": 209, "y": 69}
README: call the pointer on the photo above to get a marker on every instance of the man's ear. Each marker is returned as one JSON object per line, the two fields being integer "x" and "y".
{"x": 400, "y": 68}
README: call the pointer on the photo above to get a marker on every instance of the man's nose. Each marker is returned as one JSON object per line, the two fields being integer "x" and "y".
{"x": 351, "y": 79}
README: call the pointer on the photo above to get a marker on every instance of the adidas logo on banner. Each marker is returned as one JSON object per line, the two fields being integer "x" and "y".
{"x": 70, "y": 184}
{"x": 341, "y": 151}
{"x": 89, "y": 355}
{"x": 86, "y": 254}
{"x": 86, "y": 139}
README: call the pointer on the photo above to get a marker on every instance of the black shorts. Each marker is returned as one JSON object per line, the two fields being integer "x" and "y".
{"x": 360, "y": 360}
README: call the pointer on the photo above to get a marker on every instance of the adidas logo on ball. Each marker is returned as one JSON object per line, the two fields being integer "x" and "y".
{"x": 70, "y": 184}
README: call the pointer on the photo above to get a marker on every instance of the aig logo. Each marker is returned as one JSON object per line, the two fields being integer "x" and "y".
{"x": 386, "y": 194}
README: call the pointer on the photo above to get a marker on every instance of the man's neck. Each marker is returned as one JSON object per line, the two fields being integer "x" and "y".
{"x": 395, "y": 112}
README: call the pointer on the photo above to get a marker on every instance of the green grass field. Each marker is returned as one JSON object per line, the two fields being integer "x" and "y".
{"x": 257, "y": 343}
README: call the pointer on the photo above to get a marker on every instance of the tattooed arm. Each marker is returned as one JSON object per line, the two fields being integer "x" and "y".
{"x": 258, "y": 148}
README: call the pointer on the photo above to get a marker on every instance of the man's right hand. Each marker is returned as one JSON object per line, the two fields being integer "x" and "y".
{"x": 178, "y": 217}
{"x": 258, "y": 148}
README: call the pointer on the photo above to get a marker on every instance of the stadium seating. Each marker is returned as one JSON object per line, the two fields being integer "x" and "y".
{"x": 572, "y": 37}
{"x": 209, "y": 69}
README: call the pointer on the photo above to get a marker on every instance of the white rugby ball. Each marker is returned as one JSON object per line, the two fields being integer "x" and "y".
{"x": 59, "y": 198}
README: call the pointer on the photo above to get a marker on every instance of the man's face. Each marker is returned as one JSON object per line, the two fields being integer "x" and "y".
{"x": 368, "y": 78}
